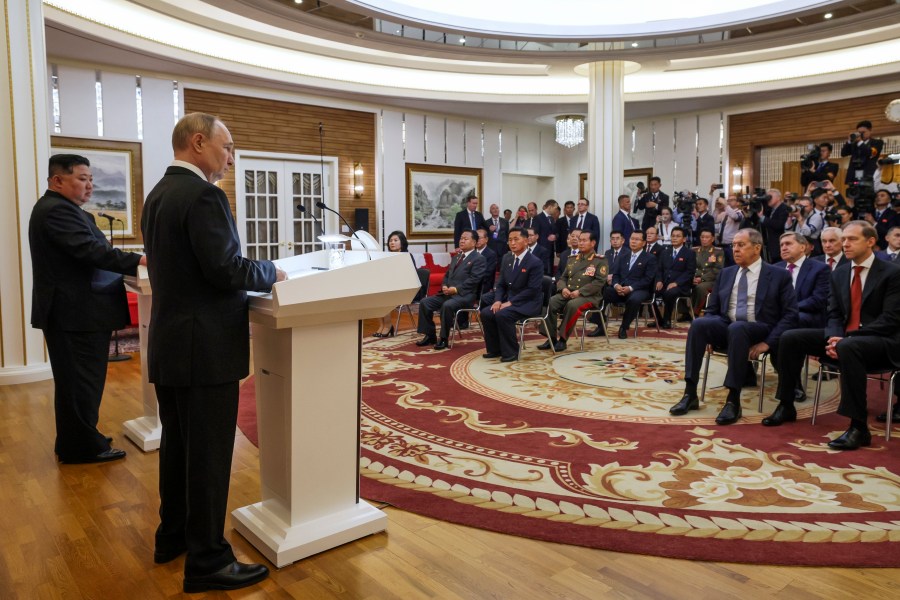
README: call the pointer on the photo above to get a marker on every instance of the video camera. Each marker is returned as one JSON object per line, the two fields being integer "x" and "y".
{"x": 756, "y": 202}
{"x": 862, "y": 192}
{"x": 812, "y": 157}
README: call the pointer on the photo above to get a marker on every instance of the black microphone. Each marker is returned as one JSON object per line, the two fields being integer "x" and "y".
{"x": 303, "y": 210}
{"x": 365, "y": 246}
{"x": 110, "y": 217}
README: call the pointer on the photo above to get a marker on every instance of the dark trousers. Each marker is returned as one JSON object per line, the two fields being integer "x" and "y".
{"x": 632, "y": 303}
{"x": 670, "y": 296}
{"x": 736, "y": 337}
{"x": 856, "y": 356}
{"x": 78, "y": 360}
{"x": 447, "y": 305}
{"x": 198, "y": 426}
{"x": 500, "y": 330}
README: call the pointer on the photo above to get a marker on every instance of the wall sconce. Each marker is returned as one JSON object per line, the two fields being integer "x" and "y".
{"x": 738, "y": 178}
{"x": 357, "y": 180}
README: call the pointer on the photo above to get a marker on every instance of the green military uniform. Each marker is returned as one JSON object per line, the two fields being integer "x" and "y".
{"x": 585, "y": 274}
{"x": 709, "y": 262}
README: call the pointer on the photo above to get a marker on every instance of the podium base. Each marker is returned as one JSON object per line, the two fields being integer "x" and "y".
{"x": 145, "y": 432}
{"x": 284, "y": 545}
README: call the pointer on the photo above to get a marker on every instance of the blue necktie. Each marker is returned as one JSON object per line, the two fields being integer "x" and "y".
{"x": 740, "y": 313}
{"x": 631, "y": 263}
{"x": 472, "y": 216}
{"x": 516, "y": 265}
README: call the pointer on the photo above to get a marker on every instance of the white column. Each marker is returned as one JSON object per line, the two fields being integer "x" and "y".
{"x": 24, "y": 149}
{"x": 606, "y": 141}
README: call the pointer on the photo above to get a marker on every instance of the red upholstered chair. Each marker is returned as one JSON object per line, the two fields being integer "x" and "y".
{"x": 133, "y": 308}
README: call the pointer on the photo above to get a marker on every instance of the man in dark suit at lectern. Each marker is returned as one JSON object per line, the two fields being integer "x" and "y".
{"x": 198, "y": 350}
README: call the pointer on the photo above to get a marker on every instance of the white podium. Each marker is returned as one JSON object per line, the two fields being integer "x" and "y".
{"x": 307, "y": 361}
{"x": 144, "y": 431}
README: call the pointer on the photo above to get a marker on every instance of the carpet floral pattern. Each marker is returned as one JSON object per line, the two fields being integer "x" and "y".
{"x": 579, "y": 447}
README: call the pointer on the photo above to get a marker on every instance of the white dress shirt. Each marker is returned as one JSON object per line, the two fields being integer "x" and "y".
{"x": 866, "y": 265}
{"x": 190, "y": 167}
{"x": 752, "y": 281}
{"x": 796, "y": 270}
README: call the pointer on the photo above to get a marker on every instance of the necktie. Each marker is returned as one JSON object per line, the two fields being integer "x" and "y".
{"x": 516, "y": 265}
{"x": 790, "y": 268}
{"x": 472, "y": 218}
{"x": 580, "y": 222}
{"x": 831, "y": 263}
{"x": 855, "y": 299}
{"x": 574, "y": 252}
{"x": 893, "y": 256}
{"x": 740, "y": 313}
{"x": 615, "y": 255}
{"x": 631, "y": 262}
{"x": 496, "y": 228}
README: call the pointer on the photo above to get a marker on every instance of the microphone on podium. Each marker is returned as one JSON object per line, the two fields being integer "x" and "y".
{"x": 324, "y": 206}
{"x": 303, "y": 210}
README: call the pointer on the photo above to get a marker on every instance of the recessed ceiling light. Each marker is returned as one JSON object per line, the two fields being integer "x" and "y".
{"x": 634, "y": 44}
{"x": 828, "y": 15}
{"x": 298, "y": 1}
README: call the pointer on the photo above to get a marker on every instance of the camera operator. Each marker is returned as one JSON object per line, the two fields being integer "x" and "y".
{"x": 815, "y": 165}
{"x": 809, "y": 220}
{"x": 651, "y": 203}
{"x": 729, "y": 219}
{"x": 863, "y": 151}
{"x": 772, "y": 224}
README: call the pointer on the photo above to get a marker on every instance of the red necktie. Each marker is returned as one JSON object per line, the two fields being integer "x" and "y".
{"x": 855, "y": 299}
{"x": 831, "y": 263}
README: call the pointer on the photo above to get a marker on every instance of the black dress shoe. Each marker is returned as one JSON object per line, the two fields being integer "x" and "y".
{"x": 666, "y": 325}
{"x": 623, "y": 333}
{"x": 233, "y": 577}
{"x": 731, "y": 412}
{"x": 509, "y": 359}
{"x": 560, "y": 345}
{"x": 599, "y": 332}
{"x": 491, "y": 355}
{"x": 851, "y": 440}
{"x": 109, "y": 455}
{"x": 784, "y": 413}
{"x": 161, "y": 557}
{"x": 895, "y": 416}
{"x": 799, "y": 395}
{"x": 545, "y": 346}
{"x": 441, "y": 345}
{"x": 688, "y": 402}
{"x": 426, "y": 341}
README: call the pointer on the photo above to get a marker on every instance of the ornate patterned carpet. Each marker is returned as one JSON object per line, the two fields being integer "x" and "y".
{"x": 579, "y": 448}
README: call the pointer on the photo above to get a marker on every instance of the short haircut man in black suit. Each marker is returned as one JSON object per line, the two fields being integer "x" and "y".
{"x": 863, "y": 334}
{"x": 772, "y": 224}
{"x": 77, "y": 300}
{"x": 632, "y": 282}
{"x": 820, "y": 170}
{"x": 863, "y": 151}
{"x": 198, "y": 350}
{"x": 675, "y": 274}
{"x": 543, "y": 225}
{"x": 534, "y": 247}
{"x": 651, "y": 202}
{"x": 468, "y": 218}
{"x": 751, "y": 306}
{"x": 498, "y": 231}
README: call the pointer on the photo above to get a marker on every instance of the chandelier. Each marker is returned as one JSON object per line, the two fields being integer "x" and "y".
{"x": 569, "y": 130}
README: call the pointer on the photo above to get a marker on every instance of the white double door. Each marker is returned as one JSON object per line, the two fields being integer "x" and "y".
{"x": 269, "y": 191}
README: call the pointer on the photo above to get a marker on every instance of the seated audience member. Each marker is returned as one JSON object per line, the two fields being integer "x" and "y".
{"x": 397, "y": 242}
{"x": 653, "y": 246}
{"x": 675, "y": 274}
{"x": 458, "y": 291}
{"x": 490, "y": 270}
{"x": 862, "y": 334}
{"x": 752, "y": 306}
{"x": 616, "y": 250}
{"x": 539, "y": 251}
{"x": 885, "y": 217}
{"x": 832, "y": 250}
{"x": 571, "y": 251}
{"x": 517, "y": 295}
{"x": 623, "y": 221}
{"x": 710, "y": 261}
{"x": 892, "y": 245}
{"x": 632, "y": 281}
{"x": 580, "y": 287}
{"x": 810, "y": 279}
{"x": 665, "y": 225}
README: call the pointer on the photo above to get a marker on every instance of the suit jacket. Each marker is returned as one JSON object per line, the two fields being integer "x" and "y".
{"x": 497, "y": 240}
{"x": 679, "y": 271}
{"x": 562, "y": 226}
{"x": 523, "y": 287}
{"x": 544, "y": 227}
{"x": 813, "y": 285}
{"x": 591, "y": 223}
{"x": 490, "y": 268}
{"x": 823, "y": 258}
{"x": 564, "y": 259}
{"x": 544, "y": 256}
{"x": 706, "y": 222}
{"x": 775, "y": 304}
{"x": 772, "y": 228}
{"x": 613, "y": 262}
{"x": 650, "y": 214}
{"x": 199, "y": 320}
{"x": 68, "y": 252}
{"x": 879, "y": 313}
{"x": 624, "y": 223}
{"x": 655, "y": 249}
{"x": 465, "y": 274}
{"x": 823, "y": 172}
{"x": 865, "y": 155}
{"x": 585, "y": 275}
{"x": 461, "y": 223}
{"x": 641, "y": 276}
{"x": 887, "y": 220}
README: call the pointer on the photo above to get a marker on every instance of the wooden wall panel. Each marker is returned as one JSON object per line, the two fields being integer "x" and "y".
{"x": 273, "y": 126}
{"x": 811, "y": 123}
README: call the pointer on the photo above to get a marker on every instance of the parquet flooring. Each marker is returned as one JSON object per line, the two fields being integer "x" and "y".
{"x": 86, "y": 531}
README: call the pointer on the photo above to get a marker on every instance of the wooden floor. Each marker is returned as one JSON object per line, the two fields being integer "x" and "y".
{"x": 86, "y": 531}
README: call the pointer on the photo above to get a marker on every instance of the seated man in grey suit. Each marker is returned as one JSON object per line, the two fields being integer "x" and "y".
{"x": 517, "y": 295}
{"x": 752, "y": 305}
{"x": 862, "y": 334}
{"x": 458, "y": 291}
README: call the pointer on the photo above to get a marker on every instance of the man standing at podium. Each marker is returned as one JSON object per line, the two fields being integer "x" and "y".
{"x": 198, "y": 350}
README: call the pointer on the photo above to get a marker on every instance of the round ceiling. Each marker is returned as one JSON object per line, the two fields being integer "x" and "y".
{"x": 583, "y": 19}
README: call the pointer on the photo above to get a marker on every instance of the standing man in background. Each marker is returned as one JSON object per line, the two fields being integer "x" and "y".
{"x": 498, "y": 231}
{"x": 78, "y": 300}
{"x": 468, "y": 218}
{"x": 198, "y": 350}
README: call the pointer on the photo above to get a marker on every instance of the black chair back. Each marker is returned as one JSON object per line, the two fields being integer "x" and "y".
{"x": 423, "y": 274}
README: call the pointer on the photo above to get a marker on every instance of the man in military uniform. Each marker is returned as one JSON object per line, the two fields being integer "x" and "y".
{"x": 710, "y": 261}
{"x": 579, "y": 288}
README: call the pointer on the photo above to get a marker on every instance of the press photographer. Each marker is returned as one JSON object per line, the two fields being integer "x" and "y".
{"x": 863, "y": 151}
{"x": 772, "y": 221}
{"x": 815, "y": 166}
{"x": 808, "y": 218}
